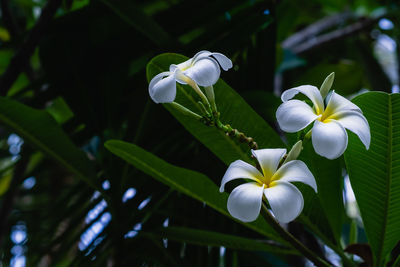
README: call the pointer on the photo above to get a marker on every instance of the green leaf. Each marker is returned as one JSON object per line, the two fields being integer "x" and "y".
{"x": 41, "y": 130}
{"x": 209, "y": 238}
{"x": 264, "y": 103}
{"x": 60, "y": 110}
{"x": 375, "y": 174}
{"x": 353, "y": 233}
{"x": 397, "y": 262}
{"x": 234, "y": 111}
{"x": 5, "y": 181}
{"x": 328, "y": 175}
{"x": 78, "y": 4}
{"x": 21, "y": 82}
{"x": 5, "y": 58}
{"x": 191, "y": 183}
{"x": 6, "y": 173}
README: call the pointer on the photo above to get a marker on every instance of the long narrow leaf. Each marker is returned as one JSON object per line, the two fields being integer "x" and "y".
{"x": 209, "y": 238}
{"x": 41, "y": 130}
{"x": 327, "y": 213}
{"x": 375, "y": 174}
{"x": 191, "y": 183}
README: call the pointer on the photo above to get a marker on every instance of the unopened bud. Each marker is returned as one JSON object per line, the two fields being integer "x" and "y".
{"x": 327, "y": 84}
{"x": 294, "y": 152}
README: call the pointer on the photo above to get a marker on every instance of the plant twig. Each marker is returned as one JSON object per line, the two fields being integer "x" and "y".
{"x": 235, "y": 133}
{"x": 318, "y": 41}
{"x": 315, "y": 29}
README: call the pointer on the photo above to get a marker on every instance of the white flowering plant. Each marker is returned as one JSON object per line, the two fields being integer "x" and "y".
{"x": 292, "y": 173}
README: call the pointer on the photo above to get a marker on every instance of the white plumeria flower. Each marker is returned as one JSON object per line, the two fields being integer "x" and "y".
{"x": 203, "y": 69}
{"x": 329, "y": 136}
{"x": 286, "y": 201}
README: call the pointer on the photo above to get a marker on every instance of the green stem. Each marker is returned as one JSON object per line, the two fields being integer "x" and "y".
{"x": 236, "y": 134}
{"x": 308, "y": 135}
{"x": 346, "y": 261}
{"x": 195, "y": 87}
{"x": 291, "y": 239}
{"x": 204, "y": 110}
{"x": 211, "y": 97}
{"x": 185, "y": 111}
{"x": 211, "y": 115}
{"x": 305, "y": 137}
{"x": 200, "y": 93}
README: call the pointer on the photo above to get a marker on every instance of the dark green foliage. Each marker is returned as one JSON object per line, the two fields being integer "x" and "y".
{"x": 82, "y": 81}
{"x": 374, "y": 173}
{"x": 188, "y": 182}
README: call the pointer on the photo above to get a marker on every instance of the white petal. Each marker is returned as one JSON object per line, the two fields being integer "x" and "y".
{"x": 244, "y": 203}
{"x": 174, "y": 67}
{"x": 269, "y": 159}
{"x": 163, "y": 90}
{"x": 294, "y": 115}
{"x": 295, "y": 171}
{"x": 179, "y": 77}
{"x": 204, "y": 72}
{"x": 239, "y": 170}
{"x": 158, "y": 78}
{"x": 223, "y": 60}
{"x": 357, "y": 123}
{"x": 329, "y": 139}
{"x": 182, "y": 66}
{"x": 310, "y": 91}
{"x": 338, "y": 103}
{"x": 201, "y": 54}
{"x": 285, "y": 200}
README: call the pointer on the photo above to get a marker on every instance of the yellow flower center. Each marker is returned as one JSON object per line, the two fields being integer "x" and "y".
{"x": 269, "y": 185}
{"x": 326, "y": 115}
{"x": 269, "y": 180}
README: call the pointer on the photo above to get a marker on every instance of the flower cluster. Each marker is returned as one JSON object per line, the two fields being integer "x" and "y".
{"x": 271, "y": 181}
{"x": 329, "y": 137}
{"x": 203, "y": 69}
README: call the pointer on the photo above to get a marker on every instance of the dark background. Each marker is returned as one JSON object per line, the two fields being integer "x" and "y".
{"x": 84, "y": 62}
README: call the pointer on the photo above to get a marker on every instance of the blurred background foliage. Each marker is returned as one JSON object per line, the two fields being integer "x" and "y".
{"x": 82, "y": 64}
